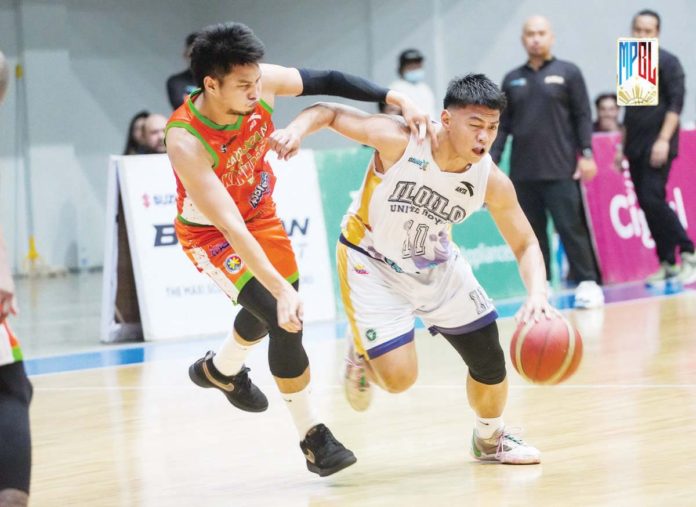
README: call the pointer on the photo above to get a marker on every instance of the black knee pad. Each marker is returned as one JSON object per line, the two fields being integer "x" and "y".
{"x": 482, "y": 353}
{"x": 249, "y": 327}
{"x": 286, "y": 355}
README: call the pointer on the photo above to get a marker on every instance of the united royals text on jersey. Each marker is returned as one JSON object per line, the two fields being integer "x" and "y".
{"x": 405, "y": 216}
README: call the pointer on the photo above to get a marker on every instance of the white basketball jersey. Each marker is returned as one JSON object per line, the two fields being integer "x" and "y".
{"x": 404, "y": 217}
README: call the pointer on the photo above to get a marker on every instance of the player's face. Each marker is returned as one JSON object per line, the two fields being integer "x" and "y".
{"x": 240, "y": 90}
{"x": 471, "y": 130}
{"x": 645, "y": 27}
{"x": 537, "y": 38}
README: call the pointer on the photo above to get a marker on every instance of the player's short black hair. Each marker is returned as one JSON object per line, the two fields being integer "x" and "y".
{"x": 647, "y": 12}
{"x": 474, "y": 90}
{"x": 190, "y": 38}
{"x": 218, "y": 48}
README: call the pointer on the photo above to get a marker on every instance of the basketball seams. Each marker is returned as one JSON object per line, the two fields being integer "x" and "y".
{"x": 570, "y": 353}
{"x": 518, "y": 349}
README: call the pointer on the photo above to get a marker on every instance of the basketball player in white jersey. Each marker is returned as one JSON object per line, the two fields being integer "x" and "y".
{"x": 396, "y": 259}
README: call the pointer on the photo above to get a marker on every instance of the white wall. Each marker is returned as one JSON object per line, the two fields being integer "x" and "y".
{"x": 90, "y": 65}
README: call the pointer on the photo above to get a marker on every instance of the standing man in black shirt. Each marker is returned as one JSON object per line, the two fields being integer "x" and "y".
{"x": 651, "y": 144}
{"x": 181, "y": 84}
{"x": 550, "y": 119}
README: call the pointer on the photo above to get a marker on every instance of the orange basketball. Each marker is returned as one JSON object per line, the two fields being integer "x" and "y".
{"x": 546, "y": 352}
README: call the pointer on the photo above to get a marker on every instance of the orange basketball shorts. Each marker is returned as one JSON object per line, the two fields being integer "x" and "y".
{"x": 212, "y": 254}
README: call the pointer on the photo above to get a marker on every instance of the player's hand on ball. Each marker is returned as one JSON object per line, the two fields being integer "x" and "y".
{"x": 536, "y": 307}
{"x": 285, "y": 142}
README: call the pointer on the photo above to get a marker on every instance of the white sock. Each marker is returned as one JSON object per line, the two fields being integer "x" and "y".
{"x": 486, "y": 427}
{"x": 230, "y": 358}
{"x": 302, "y": 411}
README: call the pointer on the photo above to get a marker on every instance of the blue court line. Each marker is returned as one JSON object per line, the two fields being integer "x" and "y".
{"x": 140, "y": 353}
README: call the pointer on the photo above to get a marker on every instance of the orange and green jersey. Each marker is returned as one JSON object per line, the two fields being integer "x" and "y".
{"x": 238, "y": 153}
{"x": 9, "y": 346}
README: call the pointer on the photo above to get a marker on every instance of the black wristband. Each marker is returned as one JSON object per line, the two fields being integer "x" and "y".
{"x": 333, "y": 82}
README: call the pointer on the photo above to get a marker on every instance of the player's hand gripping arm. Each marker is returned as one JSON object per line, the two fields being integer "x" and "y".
{"x": 384, "y": 133}
{"x": 192, "y": 165}
{"x": 289, "y": 81}
{"x": 512, "y": 223}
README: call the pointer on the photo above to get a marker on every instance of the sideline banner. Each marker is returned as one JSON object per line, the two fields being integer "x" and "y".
{"x": 625, "y": 246}
{"x": 175, "y": 299}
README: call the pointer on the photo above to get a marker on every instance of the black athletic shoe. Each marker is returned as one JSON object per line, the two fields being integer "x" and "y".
{"x": 325, "y": 455}
{"x": 238, "y": 389}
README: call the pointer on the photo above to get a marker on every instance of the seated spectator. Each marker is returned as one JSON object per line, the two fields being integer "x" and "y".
{"x": 607, "y": 114}
{"x": 181, "y": 84}
{"x": 154, "y": 133}
{"x": 135, "y": 143}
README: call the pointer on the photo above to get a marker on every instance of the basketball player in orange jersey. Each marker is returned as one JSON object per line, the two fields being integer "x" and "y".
{"x": 396, "y": 261}
{"x": 227, "y": 223}
{"x": 15, "y": 388}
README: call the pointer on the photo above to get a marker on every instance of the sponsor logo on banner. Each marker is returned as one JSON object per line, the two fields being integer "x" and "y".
{"x": 296, "y": 225}
{"x": 165, "y": 235}
{"x": 158, "y": 200}
{"x": 628, "y": 220}
{"x": 234, "y": 264}
{"x": 637, "y": 72}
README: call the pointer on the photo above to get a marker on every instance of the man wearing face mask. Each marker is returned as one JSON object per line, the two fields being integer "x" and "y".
{"x": 411, "y": 81}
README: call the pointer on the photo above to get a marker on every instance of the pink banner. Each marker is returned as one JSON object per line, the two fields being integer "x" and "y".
{"x": 624, "y": 245}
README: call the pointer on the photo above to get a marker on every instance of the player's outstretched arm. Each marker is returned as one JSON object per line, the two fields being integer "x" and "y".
{"x": 287, "y": 81}
{"x": 387, "y": 134}
{"x": 192, "y": 165}
{"x": 512, "y": 223}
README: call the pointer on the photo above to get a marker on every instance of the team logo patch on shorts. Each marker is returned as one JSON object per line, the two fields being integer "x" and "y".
{"x": 234, "y": 264}
{"x": 371, "y": 334}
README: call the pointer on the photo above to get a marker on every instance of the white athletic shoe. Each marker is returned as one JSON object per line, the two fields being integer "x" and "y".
{"x": 502, "y": 447}
{"x": 665, "y": 273}
{"x": 356, "y": 384}
{"x": 687, "y": 273}
{"x": 589, "y": 295}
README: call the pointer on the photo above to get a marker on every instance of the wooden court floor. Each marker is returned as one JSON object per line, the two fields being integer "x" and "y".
{"x": 620, "y": 432}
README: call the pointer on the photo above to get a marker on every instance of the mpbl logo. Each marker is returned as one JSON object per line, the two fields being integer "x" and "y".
{"x": 637, "y": 72}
